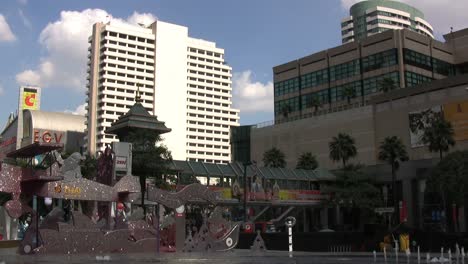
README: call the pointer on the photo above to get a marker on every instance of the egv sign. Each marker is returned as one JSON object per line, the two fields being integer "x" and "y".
{"x": 46, "y": 136}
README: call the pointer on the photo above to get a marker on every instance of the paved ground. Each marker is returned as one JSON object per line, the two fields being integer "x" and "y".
{"x": 236, "y": 257}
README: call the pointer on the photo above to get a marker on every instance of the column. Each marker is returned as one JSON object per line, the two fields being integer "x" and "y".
{"x": 324, "y": 218}
{"x": 306, "y": 221}
{"x": 180, "y": 228}
{"x": 422, "y": 189}
{"x": 407, "y": 197}
{"x": 462, "y": 218}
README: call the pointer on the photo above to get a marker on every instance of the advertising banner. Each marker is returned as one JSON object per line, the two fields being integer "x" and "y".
{"x": 30, "y": 99}
{"x": 419, "y": 120}
{"x": 457, "y": 114}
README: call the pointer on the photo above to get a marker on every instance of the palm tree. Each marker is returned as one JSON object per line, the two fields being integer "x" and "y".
{"x": 313, "y": 102}
{"x": 285, "y": 110}
{"x": 393, "y": 151}
{"x": 439, "y": 136}
{"x": 274, "y": 158}
{"x": 307, "y": 161}
{"x": 349, "y": 93}
{"x": 387, "y": 84}
{"x": 342, "y": 147}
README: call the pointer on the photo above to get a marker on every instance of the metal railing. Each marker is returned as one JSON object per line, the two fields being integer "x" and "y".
{"x": 311, "y": 114}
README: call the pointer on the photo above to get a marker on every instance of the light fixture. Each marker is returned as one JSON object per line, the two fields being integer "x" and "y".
{"x": 48, "y": 201}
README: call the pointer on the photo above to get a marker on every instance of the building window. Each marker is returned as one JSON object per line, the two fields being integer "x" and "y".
{"x": 339, "y": 93}
{"x": 287, "y": 86}
{"x": 380, "y": 60}
{"x": 284, "y": 107}
{"x": 344, "y": 70}
{"x": 413, "y": 79}
{"x": 314, "y": 78}
{"x": 373, "y": 85}
{"x": 314, "y": 99}
{"x": 442, "y": 67}
{"x": 417, "y": 59}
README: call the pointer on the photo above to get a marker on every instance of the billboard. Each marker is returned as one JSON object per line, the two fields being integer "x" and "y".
{"x": 418, "y": 121}
{"x": 30, "y": 98}
{"x": 457, "y": 114}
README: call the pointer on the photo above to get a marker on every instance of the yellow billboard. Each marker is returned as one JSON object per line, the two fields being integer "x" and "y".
{"x": 457, "y": 114}
{"x": 30, "y": 99}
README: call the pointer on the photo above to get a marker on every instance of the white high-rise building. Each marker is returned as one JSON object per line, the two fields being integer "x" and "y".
{"x": 182, "y": 80}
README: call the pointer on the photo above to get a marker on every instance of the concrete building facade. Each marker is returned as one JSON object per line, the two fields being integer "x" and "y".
{"x": 350, "y": 74}
{"x": 389, "y": 114}
{"x": 182, "y": 80}
{"x": 429, "y": 77}
{"x": 371, "y": 17}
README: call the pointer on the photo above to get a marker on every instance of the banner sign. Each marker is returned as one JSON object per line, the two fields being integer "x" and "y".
{"x": 48, "y": 136}
{"x": 30, "y": 97}
{"x": 457, "y": 115}
{"x": 120, "y": 163}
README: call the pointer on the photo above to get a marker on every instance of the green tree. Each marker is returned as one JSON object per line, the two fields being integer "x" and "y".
{"x": 356, "y": 191}
{"x": 285, "y": 110}
{"x": 342, "y": 148}
{"x": 313, "y": 102}
{"x": 438, "y": 135}
{"x": 449, "y": 179}
{"x": 349, "y": 93}
{"x": 307, "y": 161}
{"x": 274, "y": 158}
{"x": 393, "y": 151}
{"x": 387, "y": 84}
{"x": 89, "y": 167}
{"x": 150, "y": 160}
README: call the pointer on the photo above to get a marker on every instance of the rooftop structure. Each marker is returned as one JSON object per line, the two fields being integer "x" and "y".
{"x": 374, "y": 16}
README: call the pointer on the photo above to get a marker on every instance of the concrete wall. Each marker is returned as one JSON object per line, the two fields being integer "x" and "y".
{"x": 314, "y": 134}
{"x": 391, "y": 118}
{"x": 386, "y": 115}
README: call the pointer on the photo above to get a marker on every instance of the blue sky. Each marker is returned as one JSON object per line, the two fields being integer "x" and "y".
{"x": 44, "y": 42}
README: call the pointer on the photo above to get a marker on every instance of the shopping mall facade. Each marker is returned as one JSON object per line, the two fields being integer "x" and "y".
{"x": 429, "y": 77}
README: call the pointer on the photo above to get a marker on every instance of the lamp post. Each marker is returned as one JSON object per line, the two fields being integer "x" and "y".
{"x": 245, "y": 189}
{"x": 422, "y": 189}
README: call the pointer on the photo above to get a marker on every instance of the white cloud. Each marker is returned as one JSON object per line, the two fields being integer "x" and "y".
{"x": 5, "y": 31}
{"x": 250, "y": 96}
{"x": 80, "y": 110}
{"x": 29, "y": 77}
{"x": 441, "y": 14}
{"x": 23, "y": 2}
{"x": 346, "y": 4}
{"x": 2, "y": 91}
{"x": 144, "y": 18}
{"x": 24, "y": 19}
{"x": 65, "y": 42}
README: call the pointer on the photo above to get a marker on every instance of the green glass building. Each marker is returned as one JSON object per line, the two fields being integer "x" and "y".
{"x": 374, "y": 16}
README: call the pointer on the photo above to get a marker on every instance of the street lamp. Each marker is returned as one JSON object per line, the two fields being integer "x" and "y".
{"x": 248, "y": 163}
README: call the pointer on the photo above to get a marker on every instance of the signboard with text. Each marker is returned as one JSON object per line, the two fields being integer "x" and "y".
{"x": 30, "y": 99}
{"x": 457, "y": 115}
{"x": 120, "y": 163}
{"x": 48, "y": 136}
